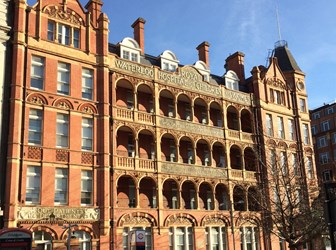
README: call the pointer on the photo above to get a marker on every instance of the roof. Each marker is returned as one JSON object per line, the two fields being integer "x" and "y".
{"x": 285, "y": 58}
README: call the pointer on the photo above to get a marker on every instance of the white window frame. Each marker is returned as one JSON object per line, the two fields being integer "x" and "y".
{"x": 184, "y": 233}
{"x": 63, "y": 34}
{"x": 84, "y": 239}
{"x": 33, "y": 184}
{"x": 281, "y": 131}
{"x": 62, "y": 130}
{"x": 86, "y": 187}
{"x": 314, "y": 129}
{"x": 321, "y": 142}
{"x": 330, "y": 110}
{"x": 254, "y": 238}
{"x": 61, "y": 186}
{"x": 324, "y": 157}
{"x": 316, "y": 115}
{"x": 303, "y": 105}
{"x": 87, "y": 134}
{"x": 35, "y": 127}
{"x": 44, "y": 241}
{"x": 87, "y": 83}
{"x": 37, "y": 72}
{"x": 305, "y": 129}
{"x": 295, "y": 163}
{"x": 291, "y": 131}
{"x": 325, "y": 125}
{"x": 269, "y": 125}
{"x": 63, "y": 78}
{"x": 216, "y": 238}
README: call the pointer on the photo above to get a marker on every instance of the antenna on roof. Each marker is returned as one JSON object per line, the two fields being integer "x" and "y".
{"x": 277, "y": 17}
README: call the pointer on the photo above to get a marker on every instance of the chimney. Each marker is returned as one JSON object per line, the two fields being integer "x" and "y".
{"x": 139, "y": 34}
{"x": 235, "y": 63}
{"x": 94, "y": 7}
{"x": 203, "y": 52}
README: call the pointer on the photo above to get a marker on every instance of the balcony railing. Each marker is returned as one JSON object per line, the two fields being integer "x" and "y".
{"x": 129, "y": 163}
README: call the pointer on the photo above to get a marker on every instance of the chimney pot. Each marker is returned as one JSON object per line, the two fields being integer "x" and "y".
{"x": 203, "y": 52}
{"x": 139, "y": 34}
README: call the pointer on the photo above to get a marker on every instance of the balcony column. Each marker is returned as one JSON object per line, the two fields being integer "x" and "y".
{"x": 195, "y": 153}
{"x": 215, "y": 205}
{"x": 137, "y": 195}
{"x": 211, "y": 157}
{"x": 192, "y": 112}
{"x": 175, "y": 106}
{"x": 242, "y": 161}
{"x": 208, "y": 115}
{"x": 179, "y": 202}
{"x": 136, "y": 153}
{"x": 135, "y": 106}
{"x": 178, "y": 152}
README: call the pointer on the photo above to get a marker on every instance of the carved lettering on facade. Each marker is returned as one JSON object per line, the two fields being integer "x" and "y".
{"x": 190, "y": 78}
{"x": 237, "y": 97}
{"x": 172, "y": 168}
{"x": 38, "y": 213}
{"x": 191, "y": 127}
{"x": 134, "y": 68}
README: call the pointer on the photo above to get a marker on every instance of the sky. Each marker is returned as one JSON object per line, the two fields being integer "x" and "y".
{"x": 249, "y": 26}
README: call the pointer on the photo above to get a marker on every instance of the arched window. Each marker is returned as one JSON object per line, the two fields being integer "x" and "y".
{"x": 42, "y": 240}
{"x": 84, "y": 239}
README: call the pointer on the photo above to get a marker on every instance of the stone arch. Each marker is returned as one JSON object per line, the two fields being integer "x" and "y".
{"x": 37, "y": 99}
{"x": 180, "y": 219}
{"x": 88, "y": 108}
{"x": 215, "y": 220}
{"x": 282, "y": 145}
{"x": 45, "y": 229}
{"x": 87, "y": 229}
{"x": 248, "y": 219}
{"x": 137, "y": 218}
{"x": 63, "y": 104}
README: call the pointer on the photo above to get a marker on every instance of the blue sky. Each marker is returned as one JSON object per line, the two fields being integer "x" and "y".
{"x": 249, "y": 26}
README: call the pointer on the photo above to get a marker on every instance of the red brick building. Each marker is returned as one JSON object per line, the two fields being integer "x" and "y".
{"x": 106, "y": 139}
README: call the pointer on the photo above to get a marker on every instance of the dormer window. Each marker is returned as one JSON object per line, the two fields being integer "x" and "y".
{"x": 66, "y": 34}
{"x": 203, "y": 69}
{"x": 130, "y": 50}
{"x": 231, "y": 80}
{"x": 169, "y": 61}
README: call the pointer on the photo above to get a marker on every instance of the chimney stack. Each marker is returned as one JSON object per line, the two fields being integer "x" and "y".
{"x": 203, "y": 52}
{"x": 235, "y": 63}
{"x": 95, "y": 9}
{"x": 139, "y": 35}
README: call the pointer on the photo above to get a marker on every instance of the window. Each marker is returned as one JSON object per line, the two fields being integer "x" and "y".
{"x": 131, "y": 194}
{"x": 291, "y": 129}
{"x": 129, "y": 99}
{"x": 192, "y": 199}
{"x": 130, "y": 146}
{"x": 62, "y": 130}
{"x": 305, "y": 134}
{"x": 86, "y": 187}
{"x": 134, "y": 57}
{"x": 43, "y": 240}
{"x": 84, "y": 239}
{"x": 303, "y": 105}
{"x": 321, "y": 142}
{"x": 76, "y": 38}
{"x": 249, "y": 238}
{"x": 314, "y": 129}
{"x": 172, "y": 150}
{"x": 35, "y": 127}
{"x": 51, "y": 30}
{"x": 61, "y": 186}
{"x": 33, "y": 185}
{"x": 316, "y": 115}
{"x": 87, "y": 133}
{"x": 269, "y": 125}
{"x": 324, "y": 157}
{"x": 310, "y": 172}
{"x": 281, "y": 133}
{"x": 283, "y": 162}
{"x": 63, "y": 34}
{"x": 181, "y": 238}
{"x": 37, "y": 72}
{"x": 169, "y": 66}
{"x": 327, "y": 175}
{"x": 325, "y": 126}
{"x": 295, "y": 164}
{"x": 216, "y": 238}
{"x": 128, "y": 233}
{"x": 63, "y": 78}
{"x": 175, "y": 204}
{"x": 330, "y": 110}
{"x": 277, "y": 96}
{"x": 130, "y": 55}
{"x": 87, "y": 84}
{"x": 232, "y": 84}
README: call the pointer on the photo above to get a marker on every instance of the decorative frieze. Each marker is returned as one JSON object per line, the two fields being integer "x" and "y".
{"x": 237, "y": 97}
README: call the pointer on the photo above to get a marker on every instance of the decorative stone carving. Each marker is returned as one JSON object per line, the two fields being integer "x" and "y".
{"x": 275, "y": 82}
{"x": 64, "y": 14}
{"x": 39, "y": 213}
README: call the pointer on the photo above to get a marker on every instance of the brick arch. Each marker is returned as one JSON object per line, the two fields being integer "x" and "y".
{"x": 180, "y": 219}
{"x": 37, "y": 228}
{"x": 248, "y": 220}
{"x": 87, "y": 229}
{"x": 215, "y": 220}
{"x": 63, "y": 104}
{"x": 87, "y": 108}
{"x": 37, "y": 99}
{"x": 137, "y": 218}
{"x": 282, "y": 145}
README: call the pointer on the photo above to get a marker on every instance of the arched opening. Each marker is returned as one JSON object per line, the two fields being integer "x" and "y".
{"x": 124, "y": 94}
{"x": 147, "y": 193}
{"x": 125, "y": 142}
{"x": 235, "y": 157}
{"x": 253, "y": 199}
{"x": 232, "y": 118}
{"x": 170, "y": 194}
{"x": 42, "y": 240}
{"x": 246, "y": 121}
{"x": 250, "y": 160}
{"x": 184, "y": 107}
{"x": 126, "y": 192}
{"x": 200, "y": 111}
{"x": 146, "y": 145}
{"x": 218, "y": 155}
{"x": 166, "y": 102}
{"x": 239, "y": 199}
{"x": 145, "y": 99}
{"x": 222, "y": 197}
{"x": 206, "y": 197}
{"x": 187, "y": 150}
{"x": 188, "y": 195}
{"x": 168, "y": 148}
{"x": 216, "y": 118}
{"x": 203, "y": 153}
